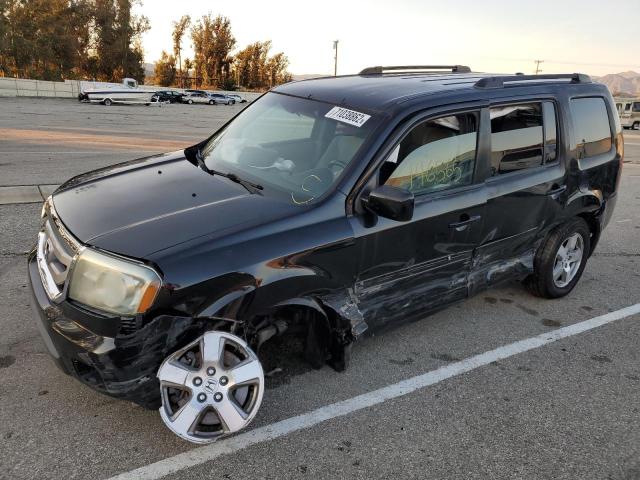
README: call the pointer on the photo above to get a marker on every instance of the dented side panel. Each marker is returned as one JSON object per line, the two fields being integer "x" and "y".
{"x": 408, "y": 270}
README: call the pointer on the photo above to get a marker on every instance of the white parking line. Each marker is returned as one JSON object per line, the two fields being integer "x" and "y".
{"x": 200, "y": 455}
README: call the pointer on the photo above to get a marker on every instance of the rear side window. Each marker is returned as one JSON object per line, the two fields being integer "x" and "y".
{"x": 436, "y": 155}
{"x": 591, "y": 123}
{"x": 636, "y": 106}
{"x": 516, "y": 137}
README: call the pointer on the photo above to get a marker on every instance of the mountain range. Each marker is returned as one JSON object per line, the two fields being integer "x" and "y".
{"x": 624, "y": 84}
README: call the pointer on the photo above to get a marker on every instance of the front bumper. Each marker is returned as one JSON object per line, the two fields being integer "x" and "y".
{"x": 122, "y": 365}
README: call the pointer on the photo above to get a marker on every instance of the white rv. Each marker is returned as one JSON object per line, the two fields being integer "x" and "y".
{"x": 629, "y": 112}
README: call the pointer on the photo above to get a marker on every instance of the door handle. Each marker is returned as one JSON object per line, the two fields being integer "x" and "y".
{"x": 556, "y": 191}
{"x": 465, "y": 221}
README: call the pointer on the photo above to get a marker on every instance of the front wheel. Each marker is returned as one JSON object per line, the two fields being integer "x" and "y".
{"x": 635, "y": 126}
{"x": 560, "y": 260}
{"x": 107, "y": 102}
{"x": 190, "y": 102}
{"x": 210, "y": 388}
{"x": 211, "y": 102}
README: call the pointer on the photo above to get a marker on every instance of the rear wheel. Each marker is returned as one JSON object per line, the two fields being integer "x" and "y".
{"x": 636, "y": 125}
{"x": 190, "y": 102}
{"x": 560, "y": 261}
{"x": 211, "y": 102}
{"x": 107, "y": 102}
{"x": 210, "y": 388}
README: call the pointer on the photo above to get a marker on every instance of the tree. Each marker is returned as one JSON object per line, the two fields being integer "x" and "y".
{"x": 188, "y": 65}
{"x": 277, "y": 69}
{"x": 117, "y": 44}
{"x": 254, "y": 68}
{"x": 179, "y": 29}
{"x": 4, "y": 39}
{"x": 212, "y": 45}
{"x": 165, "y": 70}
{"x": 44, "y": 38}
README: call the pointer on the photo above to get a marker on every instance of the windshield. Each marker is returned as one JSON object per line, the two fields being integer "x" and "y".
{"x": 297, "y": 146}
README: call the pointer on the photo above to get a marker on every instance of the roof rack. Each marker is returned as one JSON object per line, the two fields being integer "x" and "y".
{"x": 499, "y": 82}
{"x": 415, "y": 69}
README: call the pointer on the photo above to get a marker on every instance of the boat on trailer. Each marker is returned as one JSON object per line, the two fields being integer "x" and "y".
{"x": 127, "y": 93}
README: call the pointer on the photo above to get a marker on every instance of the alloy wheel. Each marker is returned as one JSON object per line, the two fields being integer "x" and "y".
{"x": 211, "y": 388}
{"x": 568, "y": 260}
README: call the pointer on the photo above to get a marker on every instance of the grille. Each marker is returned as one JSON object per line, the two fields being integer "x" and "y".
{"x": 56, "y": 249}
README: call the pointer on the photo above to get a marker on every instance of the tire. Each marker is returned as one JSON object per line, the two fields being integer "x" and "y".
{"x": 228, "y": 379}
{"x": 543, "y": 282}
{"x": 107, "y": 102}
{"x": 190, "y": 102}
{"x": 635, "y": 126}
{"x": 211, "y": 102}
{"x": 232, "y": 102}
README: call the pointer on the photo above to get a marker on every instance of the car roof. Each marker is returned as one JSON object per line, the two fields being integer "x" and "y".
{"x": 383, "y": 92}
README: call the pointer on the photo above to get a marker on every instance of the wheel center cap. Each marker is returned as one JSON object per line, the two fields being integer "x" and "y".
{"x": 211, "y": 385}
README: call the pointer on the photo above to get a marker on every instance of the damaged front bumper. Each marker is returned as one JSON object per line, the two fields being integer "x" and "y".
{"x": 122, "y": 365}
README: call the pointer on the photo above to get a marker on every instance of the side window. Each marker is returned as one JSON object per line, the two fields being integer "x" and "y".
{"x": 627, "y": 107}
{"x": 516, "y": 137}
{"x": 435, "y": 155}
{"x": 636, "y": 106}
{"x": 619, "y": 107}
{"x": 591, "y": 123}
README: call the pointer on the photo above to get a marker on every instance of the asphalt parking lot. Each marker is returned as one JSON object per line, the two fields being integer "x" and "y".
{"x": 563, "y": 409}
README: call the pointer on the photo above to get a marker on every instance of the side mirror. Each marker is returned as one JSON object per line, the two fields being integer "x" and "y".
{"x": 391, "y": 202}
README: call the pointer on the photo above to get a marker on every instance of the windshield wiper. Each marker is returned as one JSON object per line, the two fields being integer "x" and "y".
{"x": 249, "y": 186}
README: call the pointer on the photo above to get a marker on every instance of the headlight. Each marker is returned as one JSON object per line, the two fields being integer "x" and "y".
{"x": 111, "y": 284}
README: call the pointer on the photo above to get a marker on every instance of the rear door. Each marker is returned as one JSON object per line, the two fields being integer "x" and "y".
{"x": 526, "y": 182}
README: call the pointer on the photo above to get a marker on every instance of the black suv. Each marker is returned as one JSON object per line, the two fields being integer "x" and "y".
{"x": 327, "y": 208}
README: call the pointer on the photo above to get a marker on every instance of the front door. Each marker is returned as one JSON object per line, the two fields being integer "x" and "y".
{"x": 408, "y": 269}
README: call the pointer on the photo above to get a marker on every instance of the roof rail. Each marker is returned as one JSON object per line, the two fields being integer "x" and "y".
{"x": 499, "y": 82}
{"x": 415, "y": 69}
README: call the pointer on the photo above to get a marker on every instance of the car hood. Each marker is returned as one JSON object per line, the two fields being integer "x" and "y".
{"x": 143, "y": 206}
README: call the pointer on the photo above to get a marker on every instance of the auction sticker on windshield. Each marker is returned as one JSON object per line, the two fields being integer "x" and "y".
{"x": 348, "y": 116}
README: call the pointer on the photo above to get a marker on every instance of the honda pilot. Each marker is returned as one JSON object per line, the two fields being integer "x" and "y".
{"x": 326, "y": 209}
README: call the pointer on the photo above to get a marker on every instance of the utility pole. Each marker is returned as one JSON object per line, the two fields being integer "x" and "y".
{"x": 538, "y": 69}
{"x": 335, "y": 64}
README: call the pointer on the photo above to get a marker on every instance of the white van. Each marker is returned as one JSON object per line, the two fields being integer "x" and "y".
{"x": 629, "y": 112}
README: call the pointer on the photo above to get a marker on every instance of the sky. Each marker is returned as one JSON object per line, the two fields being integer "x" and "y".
{"x": 589, "y": 36}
